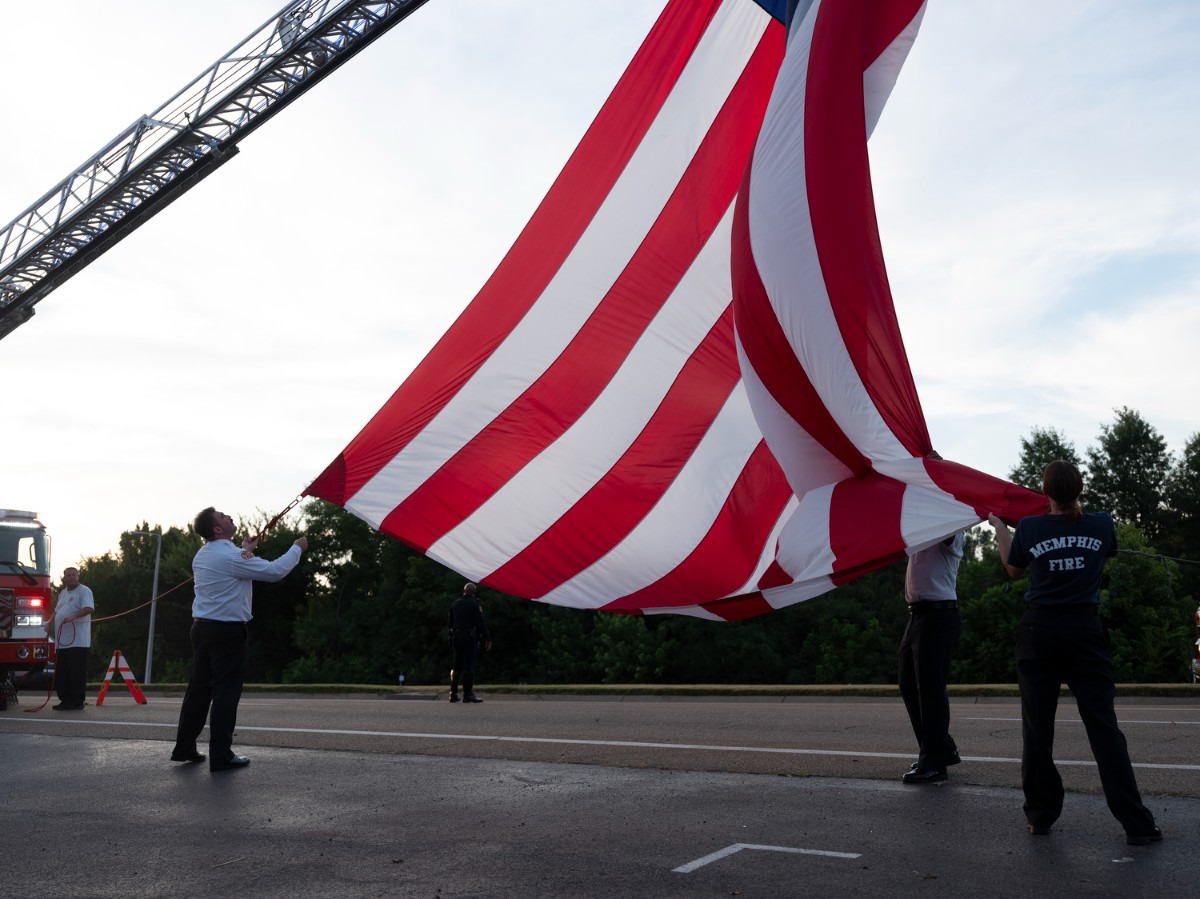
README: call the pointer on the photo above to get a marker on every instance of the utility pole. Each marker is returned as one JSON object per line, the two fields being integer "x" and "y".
{"x": 153, "y": 602}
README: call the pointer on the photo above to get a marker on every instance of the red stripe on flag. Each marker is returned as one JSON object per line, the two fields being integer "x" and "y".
{"x": 847, "y": 38}
{"x": 739, "y": 608}
{"x": 985, "y": 493}
{"x": 774, "y": 576}
{"x": 884, "y": 21}
{"x": 864, "y": 525}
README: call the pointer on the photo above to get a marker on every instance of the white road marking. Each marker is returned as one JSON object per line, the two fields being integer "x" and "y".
{"x": 738, "y": 847}
{"x": 1122, "y": 721}
{"x": 623, "y": 744}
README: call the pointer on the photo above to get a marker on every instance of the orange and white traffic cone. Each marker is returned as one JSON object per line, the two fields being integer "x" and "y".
{"x": 118, "y": 663}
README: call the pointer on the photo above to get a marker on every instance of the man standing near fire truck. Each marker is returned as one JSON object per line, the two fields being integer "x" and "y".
{"x": 71, "y": 628}
{"x": 222, "y": 609}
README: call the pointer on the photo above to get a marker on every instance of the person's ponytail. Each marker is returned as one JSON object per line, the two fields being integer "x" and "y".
{"x": 1062, "y": 482}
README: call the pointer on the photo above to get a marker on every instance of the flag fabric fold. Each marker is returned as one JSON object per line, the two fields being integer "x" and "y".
{"x": 684, "y": 388}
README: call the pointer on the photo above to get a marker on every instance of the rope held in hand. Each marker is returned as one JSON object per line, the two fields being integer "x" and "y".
{"x": 274, "y": 521}
{"x": 1138, "y": 552}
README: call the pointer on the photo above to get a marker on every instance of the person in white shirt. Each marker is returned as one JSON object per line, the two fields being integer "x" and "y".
{"x": 926, "y": 650}
{"x": 71, "y": 628}
{"x": 224, "y": 575}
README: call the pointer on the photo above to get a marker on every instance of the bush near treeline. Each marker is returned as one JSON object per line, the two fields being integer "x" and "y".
{"x": 363, "y": 608}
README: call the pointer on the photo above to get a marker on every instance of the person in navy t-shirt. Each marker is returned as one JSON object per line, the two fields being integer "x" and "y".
{"x": 1061, "y": 638}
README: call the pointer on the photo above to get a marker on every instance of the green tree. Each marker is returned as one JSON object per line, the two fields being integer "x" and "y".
{"x": 564, "y": 651}
{"x": 1127, "y": 472}
{"x": 1150, "y": 624}
{"x": 990, "y": 603}
{"x": 1181, "y": 537}
{"x": 352, "y": 627}
{"x": 381, "y": 610}
{"x": 1039, "y": 449}
{"x": 276, "y": 606}
{"x": 122, "y": 586}
{"x": 987, "y": 650}
{"x": 980, "y": 569}
{"x": 626, "y": 650}
{"x": 848, "y": 636}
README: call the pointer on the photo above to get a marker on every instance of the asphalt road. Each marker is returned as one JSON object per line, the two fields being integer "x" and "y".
{"x": 578, "y": 797}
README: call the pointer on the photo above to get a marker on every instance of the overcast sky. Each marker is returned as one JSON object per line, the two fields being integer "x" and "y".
{"x": 1034, "y": 174}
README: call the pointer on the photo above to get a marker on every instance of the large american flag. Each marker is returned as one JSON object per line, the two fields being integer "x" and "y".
{"x": 594, "y": 432}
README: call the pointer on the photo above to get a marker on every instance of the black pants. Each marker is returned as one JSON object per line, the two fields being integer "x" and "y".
{"x": 218, "y": 670}
{"x": 1068, "y": 645}
{"x": 465, "y": 650}
{"x": 70, "y": 674}
{"x": 926, "y": 650}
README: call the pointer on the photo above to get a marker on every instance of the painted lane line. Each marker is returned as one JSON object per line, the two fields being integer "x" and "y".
{"x": 738, "y": 847}
{"x": 495, "y": 738}
{"x": 620, "y": 744}
{"x": 1123, "y": 721}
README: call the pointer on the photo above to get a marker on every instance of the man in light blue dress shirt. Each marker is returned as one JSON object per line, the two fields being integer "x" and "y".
{"x": 224, "y": 575}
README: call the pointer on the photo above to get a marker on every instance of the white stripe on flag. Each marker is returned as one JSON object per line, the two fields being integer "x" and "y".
{"x": 556, "y": 479}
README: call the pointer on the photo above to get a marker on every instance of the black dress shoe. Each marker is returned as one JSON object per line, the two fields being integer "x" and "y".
{"x": 67, "y": 707}
{"x": 236, "y": 761}
{"x": 953, "y": 760}
{"x": 1039, "y": 830}
{"x": 472, "y": 698}
{"x": 1145, "y": 839}
{"x": 924, "y": 776}
{"x": 191, "y": 756}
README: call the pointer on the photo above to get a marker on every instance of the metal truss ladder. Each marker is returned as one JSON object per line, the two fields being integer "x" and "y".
{"x": 162, "y": 155}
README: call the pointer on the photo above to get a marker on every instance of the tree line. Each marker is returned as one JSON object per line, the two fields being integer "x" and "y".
{"x": 363, "y": 608}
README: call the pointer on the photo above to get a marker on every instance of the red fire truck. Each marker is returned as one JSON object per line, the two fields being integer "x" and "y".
{"x": 25, "y": 599}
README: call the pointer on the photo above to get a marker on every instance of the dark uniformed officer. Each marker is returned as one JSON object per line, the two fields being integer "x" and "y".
{"x": 1061, "y": 638}
{"x": 467, "y": 631}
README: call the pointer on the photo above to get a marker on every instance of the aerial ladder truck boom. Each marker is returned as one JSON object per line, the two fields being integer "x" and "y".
{"x": 163, "y": 154}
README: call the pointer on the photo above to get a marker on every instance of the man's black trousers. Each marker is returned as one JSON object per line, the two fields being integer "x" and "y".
{"x": 70, "y": 675}
{"x": 926, "y": 650}
{"x": 218, "y": 670}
